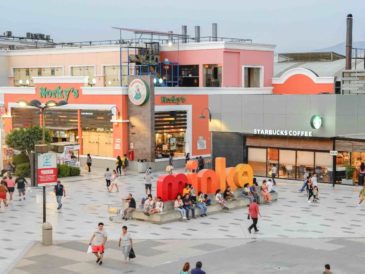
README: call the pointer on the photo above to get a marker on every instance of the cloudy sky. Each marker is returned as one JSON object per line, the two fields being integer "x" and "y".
{"x": 292, "y": 25}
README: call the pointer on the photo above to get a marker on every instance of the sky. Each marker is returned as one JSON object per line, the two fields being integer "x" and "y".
{"x": 291, "y": 25}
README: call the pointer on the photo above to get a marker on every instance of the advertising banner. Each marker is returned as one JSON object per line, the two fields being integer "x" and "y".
{"x": 47, "y": 168}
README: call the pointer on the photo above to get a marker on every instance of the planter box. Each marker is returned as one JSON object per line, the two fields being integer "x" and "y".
{"x": 347, "y": 182}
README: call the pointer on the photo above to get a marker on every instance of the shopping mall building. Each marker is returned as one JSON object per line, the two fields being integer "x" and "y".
{"x": 207, "y": 97}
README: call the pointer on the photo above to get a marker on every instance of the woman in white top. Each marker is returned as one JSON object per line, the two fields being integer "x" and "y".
{"x": 220, "y": 200}
{"x": 158, "y": 206}
{"x": 125, "y": 241}
{"x": 179, "y": 206}
{"x": 114, "y": 181}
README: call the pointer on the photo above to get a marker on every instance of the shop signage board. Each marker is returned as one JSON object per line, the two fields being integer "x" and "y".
{"x": 59, "y": 93}
{"x": 283, "y": 132}
{"x": 138, "y": 92}
{"x": 333, "y": 152}
{"x": 201, "y": 143}
{"x": 47, "y": 168}
{"x": 173, "y": 100}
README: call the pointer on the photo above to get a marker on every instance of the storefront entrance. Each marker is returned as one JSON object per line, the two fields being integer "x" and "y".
{"x": 170, "y": 133}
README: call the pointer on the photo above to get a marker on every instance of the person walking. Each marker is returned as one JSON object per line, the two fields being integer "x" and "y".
{"x": 114, "y": 181}
{"x": 362, "y": 195}
{"x": 125, "y": 241}
{"x": 274, "y": 171}
{"x": 201, "y": 163}
{"x": 125, "y": 164}
{"x": 20, "y": 185}
{"x": 361, "y": 174}
{"x": 108, "y": 177}
{"x": 3, "y": 192}
{"x": 253, "y": 213}
{"x": 198, "y": 268}
{"x": 131, "y": 207}
{"x": 97, "y": 242}
{"x": 89, "y": 162}
{"x": 60, "y": 191}
{"x": 185, "y": 269}
{"x": 148, "y": 180}
{"x": 119, "y": 165}
{"x": 327, "y": 269}
{"x": 11, "y": 186}
{"x": 310, "y": 191}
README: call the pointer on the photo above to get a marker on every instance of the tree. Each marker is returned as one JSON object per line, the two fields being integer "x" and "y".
{"x": 24, "y": 139}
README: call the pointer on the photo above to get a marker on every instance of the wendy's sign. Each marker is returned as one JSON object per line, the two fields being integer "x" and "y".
{"x": 207, "y": 180}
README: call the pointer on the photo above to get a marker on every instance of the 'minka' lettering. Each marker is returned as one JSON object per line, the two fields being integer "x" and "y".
{"x": 59, "y": 93}
{"x": 206, "y": 180}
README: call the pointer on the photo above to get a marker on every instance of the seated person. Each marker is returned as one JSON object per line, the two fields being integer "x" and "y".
{"x": 186, "y": 190}
{"x": 265, "y": 192}
{"x": 200, "y": 203}
{"x": 179, "y": 206}
{"x": 220, "y": 200}
{"x": 207, "y": 200}
{"x": 270, "y": 186}
{"x": 188, "y": 205}
{"x": 158, "y": 206}
{"x": 247, "y": 193}
{"x": 192, "y": 193}
{"x": 254, "y": 190}
{"x": 148, "y": 205}
{"x": 228, "y": 194}
{"x": 131, "y": 207}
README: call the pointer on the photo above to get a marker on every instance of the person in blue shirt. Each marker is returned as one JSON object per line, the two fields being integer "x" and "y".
{"x": 198, "y": 269}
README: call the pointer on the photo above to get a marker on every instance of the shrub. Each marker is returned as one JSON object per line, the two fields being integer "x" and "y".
{"x": 63, "y": 170}
{"x": 349, "y": 171}
{"x": 74, "y": 171}
{"x": 20, "y": 159}
{"x": 23, "y": 169}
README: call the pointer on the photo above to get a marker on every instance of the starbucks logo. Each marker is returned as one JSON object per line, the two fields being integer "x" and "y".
{"x": 138, "y": 92}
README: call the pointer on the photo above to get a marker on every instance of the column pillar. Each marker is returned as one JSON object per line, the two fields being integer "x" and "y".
{"x": 79, "y": 131}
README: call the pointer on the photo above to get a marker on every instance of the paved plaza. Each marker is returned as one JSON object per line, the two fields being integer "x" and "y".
{"x": 295, "y": 236}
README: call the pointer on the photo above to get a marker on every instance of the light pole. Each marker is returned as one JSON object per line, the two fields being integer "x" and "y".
{"x": 42, "y": 107}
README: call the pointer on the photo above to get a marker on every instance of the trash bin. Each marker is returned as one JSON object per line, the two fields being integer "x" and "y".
{"x": 141, "y": 166}
{"x": 47, "y": 231}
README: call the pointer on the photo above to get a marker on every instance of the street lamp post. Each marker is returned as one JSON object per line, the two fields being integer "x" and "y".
{"x": 42, "y": 107}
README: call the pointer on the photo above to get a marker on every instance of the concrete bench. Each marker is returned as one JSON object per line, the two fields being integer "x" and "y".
{"x": 170, "y": 215}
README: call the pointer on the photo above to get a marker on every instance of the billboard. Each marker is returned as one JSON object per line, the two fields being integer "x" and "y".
{"x": 47, "y": 168}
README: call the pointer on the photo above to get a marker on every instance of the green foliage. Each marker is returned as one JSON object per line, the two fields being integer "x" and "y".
{"x": 20, "y": 159}
{"x": 63, "y": 170}
{"x": 350, "y": 171}
{"x": 74, "y": 171}
{"x": 23, "y": 169}
{"x": 67, "y": 171}
{"x": 24, "y": 139}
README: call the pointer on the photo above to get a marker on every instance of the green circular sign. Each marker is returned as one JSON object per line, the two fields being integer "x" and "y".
{"x": 316, "y": 121}
{"x": 138, "y": 92}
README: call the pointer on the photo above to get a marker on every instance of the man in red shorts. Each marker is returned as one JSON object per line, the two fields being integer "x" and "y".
{"x": 97, "y": 242}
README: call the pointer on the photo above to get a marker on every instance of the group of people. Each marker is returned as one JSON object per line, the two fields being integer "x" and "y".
{"x": 200, "y": 160}
{"x": 310, "y": 184}
{"x": 152, "y": 206}
{"x": 8, "y": 184}
{"x": 253, "y": 192}
{"x": 196, "y": 270}
{"x": 99, "y": 238}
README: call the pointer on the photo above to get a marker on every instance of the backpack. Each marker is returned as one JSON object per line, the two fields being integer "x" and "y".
{"x": 126, "y": 162}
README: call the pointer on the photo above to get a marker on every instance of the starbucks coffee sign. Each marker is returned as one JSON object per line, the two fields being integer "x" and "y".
{"x": 138, "y": 92}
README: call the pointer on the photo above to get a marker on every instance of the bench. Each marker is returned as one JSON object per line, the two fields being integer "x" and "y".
{"x": 170, "y": 215}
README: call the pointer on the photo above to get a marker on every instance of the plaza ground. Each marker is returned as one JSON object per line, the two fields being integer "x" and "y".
{"x": 295, "y": 236}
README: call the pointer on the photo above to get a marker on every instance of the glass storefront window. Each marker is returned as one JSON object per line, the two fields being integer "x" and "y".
{"x": 323, "y": 166}
{"x": 305, "y": 163}
{"x": 287, "y": 168}
{"x": 212, "y": 75}
{"x": 257, "y": 160}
